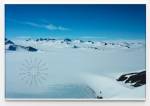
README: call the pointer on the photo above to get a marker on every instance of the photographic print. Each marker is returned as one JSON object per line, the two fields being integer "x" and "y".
{"x": 75, "y": 51}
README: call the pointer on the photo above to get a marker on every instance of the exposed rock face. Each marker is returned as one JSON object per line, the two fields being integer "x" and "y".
{"x": 31, "y": 49}
{"x": 52, "y": 39}
{"x": 135, "y": 79}
{"x": 16, "y": 47}
{"x": 91, "y": 42}
{"x": 44, "y": 39}
{"x": 77, "y": 43}
{"x": 12, "y": 48}
{"x": 67, "y": 40}
{"x": 99, "y": 97}
{"x": 41, "y": 39}
{"x": 8, "y": 42}
{"x": 75, "y": 46}
{"x": 105, "y": 43}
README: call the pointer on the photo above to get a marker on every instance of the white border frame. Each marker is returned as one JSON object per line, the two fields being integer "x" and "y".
{"x": 72, "y": 99}
{"x": 2, "y": 54}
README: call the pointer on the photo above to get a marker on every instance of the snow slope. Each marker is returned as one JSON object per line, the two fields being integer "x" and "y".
{"x": 64, "y": 72}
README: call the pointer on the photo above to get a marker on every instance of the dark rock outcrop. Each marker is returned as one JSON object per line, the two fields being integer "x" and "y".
{"x": 67, "y": 40}
{"x": 31, "y": 49}
{"x": 16, "y": 47}
{"x": 51, "y": 39}
{"x": 41, "y": 39}
{"x": 44, "y": 39}
{"x": 8, "y": 42}
{"x": 135, "y": 79}
{"x": 99, "y": 97}
{"x": 105, "y": 43}
{"x": 91, "y": 42}
{"x": 12, "y": 47}
{"x": 75, "y": 46}
{"x": 127, "y": 46}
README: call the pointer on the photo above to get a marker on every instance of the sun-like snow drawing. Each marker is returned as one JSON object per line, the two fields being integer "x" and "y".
{"x": 33, "y": 71}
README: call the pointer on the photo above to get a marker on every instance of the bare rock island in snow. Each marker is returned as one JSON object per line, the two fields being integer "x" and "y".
{"x": 135, "y": 79}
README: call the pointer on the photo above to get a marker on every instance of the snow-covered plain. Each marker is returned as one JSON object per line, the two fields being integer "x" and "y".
{"x": 74, "y": 69}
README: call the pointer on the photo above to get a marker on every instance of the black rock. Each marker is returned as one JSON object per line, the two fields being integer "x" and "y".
{"x": 75, "y": 46}
{"x": 127, "y": 46}
{"x": 31, "y": 49}
{"x": 91, "y": 42}
{"x": 45, "y": 39}
{"x": 67, "y": 40}
{"x": 99, "y": 97}
{"x": 136, "y": 79}
{"x": 41, "y": 39}
{"x": 122, "y": 78}
{"x": 15, "y": 47}
{"x": 105, "y": 43}
{"x": 12, "y": 47}
{"x": 51, "y": 39}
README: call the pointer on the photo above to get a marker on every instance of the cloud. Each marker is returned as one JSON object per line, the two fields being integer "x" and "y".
{"x": 48, "y": 26}
{"x": 33, "y": 24}
{"x": 45, "y": 26}
{"x": 54, "y": 27}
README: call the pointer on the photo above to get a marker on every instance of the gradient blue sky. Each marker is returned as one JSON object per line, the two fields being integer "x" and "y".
{"x": 76, "y": 21}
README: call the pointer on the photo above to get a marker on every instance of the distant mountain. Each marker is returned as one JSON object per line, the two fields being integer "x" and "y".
{"x": 134, "y": 79}
{"x": 44, "y": 39}
{"x": 8, "y": 42}
{"x": 13, "y": 47}
{"x": 77, "y": 43}
{"x": 16, "y": 47}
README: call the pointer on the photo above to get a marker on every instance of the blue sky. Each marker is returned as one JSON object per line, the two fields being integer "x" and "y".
{"x": 76, "y": 21}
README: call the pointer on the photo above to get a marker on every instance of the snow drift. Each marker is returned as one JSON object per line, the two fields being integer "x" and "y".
{"x": 73, "y": 69}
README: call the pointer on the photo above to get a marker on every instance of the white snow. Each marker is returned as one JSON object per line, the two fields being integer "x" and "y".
{"x": 77, "y": 73}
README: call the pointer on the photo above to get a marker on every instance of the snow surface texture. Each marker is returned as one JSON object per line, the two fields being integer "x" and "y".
{"x": 73, "y": 69}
